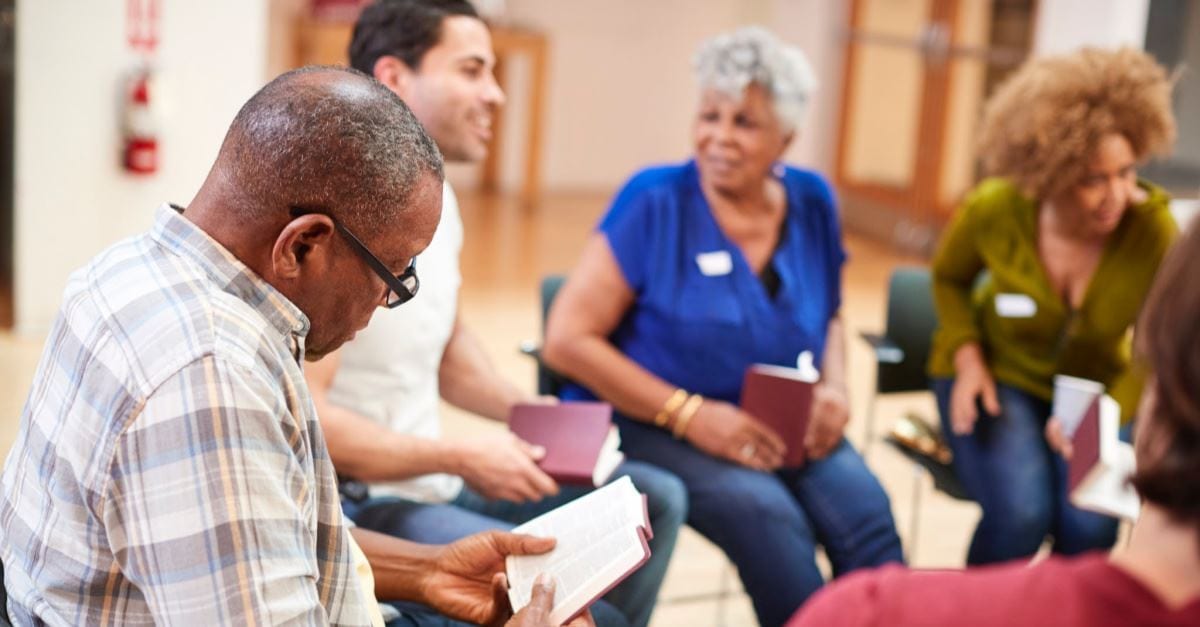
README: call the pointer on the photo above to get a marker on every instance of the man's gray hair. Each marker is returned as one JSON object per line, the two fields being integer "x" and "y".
{"x": 330, "y": 140}
{"x": 730, "y": 62}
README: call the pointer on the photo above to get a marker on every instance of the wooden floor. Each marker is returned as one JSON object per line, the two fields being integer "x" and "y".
{"x": 506, "y": 252}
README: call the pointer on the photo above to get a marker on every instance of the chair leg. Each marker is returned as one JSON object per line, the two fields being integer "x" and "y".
{"x": 914, "y": 525}
{"x": 869, "y": 425}
{"x": 722, "y": 593}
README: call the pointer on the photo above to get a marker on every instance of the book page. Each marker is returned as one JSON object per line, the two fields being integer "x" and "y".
{"x": 598, "y": 544}
{"x": 1105, "y": 488}
{"x": 610, "y": 458}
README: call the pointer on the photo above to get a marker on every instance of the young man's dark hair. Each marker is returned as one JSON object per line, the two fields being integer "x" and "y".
{"x": 405, "y": 29}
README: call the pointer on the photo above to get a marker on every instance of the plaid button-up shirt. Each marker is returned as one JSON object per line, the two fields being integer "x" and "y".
{"x": 169, "y": 467}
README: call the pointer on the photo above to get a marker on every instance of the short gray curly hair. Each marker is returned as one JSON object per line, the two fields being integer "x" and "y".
{"x": 730, "y": 62}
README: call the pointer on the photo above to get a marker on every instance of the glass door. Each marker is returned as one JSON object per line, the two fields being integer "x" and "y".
{"x": 1173, "y": 37}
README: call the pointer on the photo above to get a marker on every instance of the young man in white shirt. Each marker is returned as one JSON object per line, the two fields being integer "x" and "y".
{"x": 378, "y": 397}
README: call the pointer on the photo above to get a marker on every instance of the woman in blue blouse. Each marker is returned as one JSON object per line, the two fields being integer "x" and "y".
{"x": 700, "y": 270}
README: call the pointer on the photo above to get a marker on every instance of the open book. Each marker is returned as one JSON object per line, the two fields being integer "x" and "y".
{"x": 1072, "y": 398}
{"x": 580, "y": 439}
{"x": 781, "y": 398}
{"x": 1101, "y": 463}
{"x": 602, "y": 536}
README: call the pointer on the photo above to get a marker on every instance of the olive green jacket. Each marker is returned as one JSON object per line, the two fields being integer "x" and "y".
{"x": 989, "y": 286}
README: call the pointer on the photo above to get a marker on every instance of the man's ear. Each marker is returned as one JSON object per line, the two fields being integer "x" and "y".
{"x": 307, "y": 239}
{"x": 394, "y": 74}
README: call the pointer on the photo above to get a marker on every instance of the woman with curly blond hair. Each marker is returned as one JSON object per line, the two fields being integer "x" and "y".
{"x": 1043, "y": 272}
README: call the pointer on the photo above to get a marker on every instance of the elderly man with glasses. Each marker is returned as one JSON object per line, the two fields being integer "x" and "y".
{"x": 170, "y": 468}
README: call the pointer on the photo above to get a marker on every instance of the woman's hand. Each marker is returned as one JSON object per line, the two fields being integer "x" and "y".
{"x": 1058, "y": 441}
{"x": 972, "y": 381}
{"x": 725, "y": 431}
{"x": 827, "y": 420}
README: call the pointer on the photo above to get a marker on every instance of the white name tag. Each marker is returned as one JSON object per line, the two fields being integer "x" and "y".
{"x": 716, "y": 263}
{"x": 1015, "y": 306}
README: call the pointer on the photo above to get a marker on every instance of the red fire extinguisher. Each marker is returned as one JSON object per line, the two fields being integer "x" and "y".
{"x": 140, "y": 126}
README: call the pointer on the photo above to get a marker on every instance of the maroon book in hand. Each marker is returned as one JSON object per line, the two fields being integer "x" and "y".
{"x": 781, "y": 398}
{"x": 580, "y": 439}
{"x": 1085, "y": 446}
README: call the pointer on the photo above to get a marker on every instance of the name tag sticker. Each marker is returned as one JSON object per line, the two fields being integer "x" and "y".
{"x": 1015, "y": 306}
{"x": 716, "y": 263}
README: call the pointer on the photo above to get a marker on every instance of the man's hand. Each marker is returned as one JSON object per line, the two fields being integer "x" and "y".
{"x": 541, "y": 603}
{"x": 467, "y": 581}
{"x": 827, "y": 420}
{"x": 504, "y": 467}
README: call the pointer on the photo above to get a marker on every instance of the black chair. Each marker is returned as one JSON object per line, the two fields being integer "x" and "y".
{"x": 903, "y": 350}
{"x": 549, "y": 383}
{"x": 901, "y": 353}
{"x": 4, "y": 621}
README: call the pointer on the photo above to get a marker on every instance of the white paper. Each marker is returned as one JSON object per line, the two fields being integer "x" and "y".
{"x": 1072, "y": 397}
{"x": 716, "y": 263}
{"x": 610, "y": 457}
{"x": 1106, "y": 488}
{"x": 1015, "y": 306}
{"x": 599, "y": 540}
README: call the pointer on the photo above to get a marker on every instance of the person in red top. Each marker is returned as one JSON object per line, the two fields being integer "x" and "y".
{"x": 1155, "y": 580}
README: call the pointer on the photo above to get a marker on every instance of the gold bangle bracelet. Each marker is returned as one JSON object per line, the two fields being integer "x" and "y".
{"x": 686, "y": 414}
{"x": 670, "y": 407}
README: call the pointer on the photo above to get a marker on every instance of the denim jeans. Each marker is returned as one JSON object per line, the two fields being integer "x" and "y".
{"x": 770, "y": 523}
{"x": 415, "y": 615}
{"x": 469, "y": 513}
{"x": 1008, "y": 468}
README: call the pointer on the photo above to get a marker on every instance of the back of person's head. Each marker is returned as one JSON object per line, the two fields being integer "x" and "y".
{"x": 328, "y": 140}
{"x": 1043, "y": 124}
{"x": 731, "y": 62}
{"x": 405, "y": 29}
{"x": 1168, "y": 339}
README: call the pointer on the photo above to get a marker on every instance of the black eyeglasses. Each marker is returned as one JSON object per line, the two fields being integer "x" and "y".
{"x": 401, "y": 287}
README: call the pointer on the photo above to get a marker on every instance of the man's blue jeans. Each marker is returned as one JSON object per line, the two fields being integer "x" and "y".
{"x": 1008, "y": 468}
{"x": 770, "y": 523}
{"x": 470, "y": 513}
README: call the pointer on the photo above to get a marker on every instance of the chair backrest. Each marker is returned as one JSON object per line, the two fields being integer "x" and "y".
{"x": 549, "y": 382}
{"x": 4, "y": 622}
{"x": 911, "y": 321}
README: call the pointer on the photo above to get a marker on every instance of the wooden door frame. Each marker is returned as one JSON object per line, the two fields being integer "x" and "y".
{"x": 933, "y": 83}
{"x": 925, "y": 211}
{"x": 8, "y": 230}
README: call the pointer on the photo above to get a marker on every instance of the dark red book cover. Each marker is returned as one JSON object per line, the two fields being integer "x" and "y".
{"x": 782, "y": 401}
{"x": 1085, "y": 445}
{"x": 573, "y": 435}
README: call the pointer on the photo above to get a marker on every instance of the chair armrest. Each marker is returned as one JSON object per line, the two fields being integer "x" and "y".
{"x": 886, "y": 351}
{"x": 549, "y": 381}
{"x": 530, "y": 348}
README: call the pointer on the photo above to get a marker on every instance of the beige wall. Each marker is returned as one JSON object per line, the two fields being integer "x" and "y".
{"x": 71, "y": 198}
{"x": 621, "y": 92}
{"x": 1064, "y": 25}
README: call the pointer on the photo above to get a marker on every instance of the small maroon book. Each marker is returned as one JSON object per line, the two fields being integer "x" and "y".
{"x": 579, "y": 437}
{"x": 1085, "y": 445}
{"x": 781, "y": 398}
